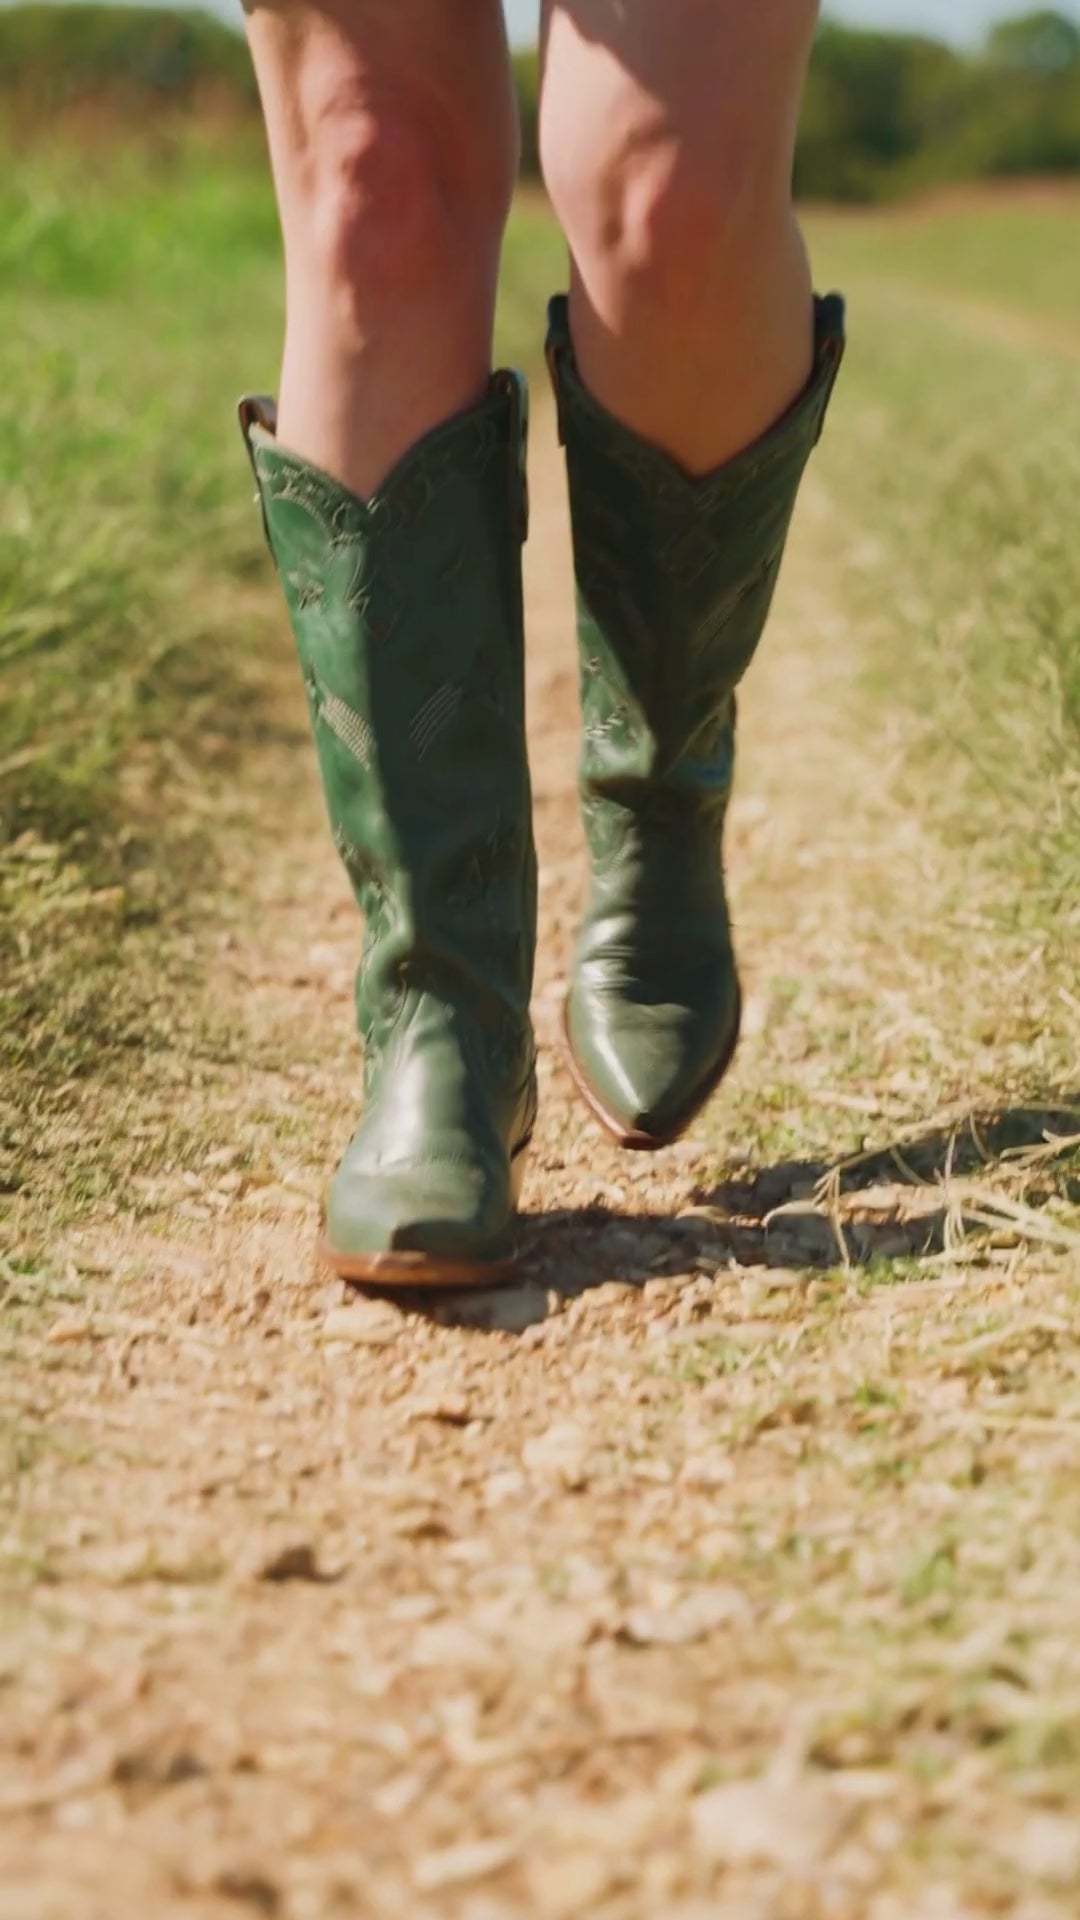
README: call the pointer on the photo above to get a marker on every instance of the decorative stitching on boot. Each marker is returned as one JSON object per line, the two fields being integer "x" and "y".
{"x": 434, "y": 717}
{"x": 706, "y": 635}
{"x": 364, "y": 872}
{"x": 349, "y": 727}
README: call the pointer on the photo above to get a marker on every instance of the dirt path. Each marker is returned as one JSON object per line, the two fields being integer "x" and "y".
{"x": 703, "y": 1574}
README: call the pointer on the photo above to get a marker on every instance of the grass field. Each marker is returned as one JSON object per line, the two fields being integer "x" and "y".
{"x": 128, "y": 549}
{"x": 744, "y": 1583}
{"x": 948, "y": 296}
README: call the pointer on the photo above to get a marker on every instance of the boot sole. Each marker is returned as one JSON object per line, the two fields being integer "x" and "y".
{"x": 633, "y": 1140}
{"x": 427, "y": 1272}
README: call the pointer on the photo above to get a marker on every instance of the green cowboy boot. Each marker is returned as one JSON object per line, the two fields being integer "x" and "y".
{"x": 407, "y": 611}
{"x": 675, "y": 578}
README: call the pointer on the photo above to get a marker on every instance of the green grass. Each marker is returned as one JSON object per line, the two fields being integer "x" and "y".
{"x": 1012, "y": 250}
{"x": 128, "y": 553}
{"x": 150, "y": 304}
{"x": 954, "y": 449}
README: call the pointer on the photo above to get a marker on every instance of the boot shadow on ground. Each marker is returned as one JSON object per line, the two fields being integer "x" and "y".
{"x": 887, "y": 1206}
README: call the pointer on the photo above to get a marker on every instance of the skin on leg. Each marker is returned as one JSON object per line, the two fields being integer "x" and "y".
{"x": 667, "y": 136}
{"x": 393, "y": 142}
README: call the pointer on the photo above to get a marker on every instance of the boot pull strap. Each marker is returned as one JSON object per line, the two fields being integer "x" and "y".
{"x": 831, "y": 342}
{"x": 516, "y": 388}
{"x": 558, "y": 347}
{"x": 257, "y": 411}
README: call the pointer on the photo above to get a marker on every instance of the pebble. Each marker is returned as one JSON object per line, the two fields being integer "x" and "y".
{"x": 364, "y": 1323}
{"x": 69, "y": 1331}
{"x": 458, "y": 1866}
{"x": 298, "y": 1562}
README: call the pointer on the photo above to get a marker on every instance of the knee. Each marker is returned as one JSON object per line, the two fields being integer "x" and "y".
{"x": 381, "y": 211}
{"x": 397, "y": 196}
{"x": 663, "y": 220}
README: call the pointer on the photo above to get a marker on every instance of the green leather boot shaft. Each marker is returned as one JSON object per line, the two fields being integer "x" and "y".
{"x": 407, "y": 611}
{"x": 675, "y": 578}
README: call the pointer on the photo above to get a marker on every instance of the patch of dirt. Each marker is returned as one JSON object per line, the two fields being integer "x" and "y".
{"x": 724, "y": 1567}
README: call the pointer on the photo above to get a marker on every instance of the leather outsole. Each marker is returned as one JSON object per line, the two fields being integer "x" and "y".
{"x": 420, "y": 1272}
{"x": 416, "y": 1272}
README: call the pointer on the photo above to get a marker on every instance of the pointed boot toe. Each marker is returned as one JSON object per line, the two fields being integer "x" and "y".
{"x": 443, "y": 1223}
{"x": 647, "y": 1064}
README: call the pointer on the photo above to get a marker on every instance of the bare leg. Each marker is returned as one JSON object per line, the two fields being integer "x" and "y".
{"x": 667, "y": 134}
{"x": 393, "y": 142}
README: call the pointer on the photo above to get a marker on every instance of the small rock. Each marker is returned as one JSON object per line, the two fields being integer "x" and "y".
{"x": 399, "y": 1795}
{"x": 659, "y": 1294}
{"x": 507, "y": 1310}
{"x": 690, "y": 1620}
{"x": 449, "y": 1410}
{"x": 250, "y": 1889}
{"x": 695, "y": 1332}
{"x": 363, "y": 1323}
{"x": 770, "y": 1822}
{"x": 653, "y": 1473}
{"x": 544, "y": 1629}
{"x": 223, "y": 1157}
{"x": 783, "y": 1280}
{"x": 1047, "y": 1848}
{"x": 154, "y": 1765}
{"x": 421, "y": 1523}
{"x": 569, "y": 1885}
{"x": 612, "y": 1293}
{"x": 413, "y": 1608}
{"x": 560, "y": 1454}
{"x": 628, "y": 1711}
{"x": 708, "y": 1471}
{"x": 460, "y": 1866}
{"x": 500, "y": 1488}
{"x": 69, "y": 1331}
{"x": 299, "y": 1562}
{"x": 453, "y": 1645}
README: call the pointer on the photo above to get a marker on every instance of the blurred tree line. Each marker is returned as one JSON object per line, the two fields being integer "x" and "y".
{"x": 885, "y": 113}
{"x": 888, "y": 113}
{"x": 129, "y": 66}
{"x": 892, "y": 113}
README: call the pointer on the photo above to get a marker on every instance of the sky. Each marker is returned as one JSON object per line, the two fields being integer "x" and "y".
{"x": 946, "y": 19}
{"x": 957, "y": 20}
